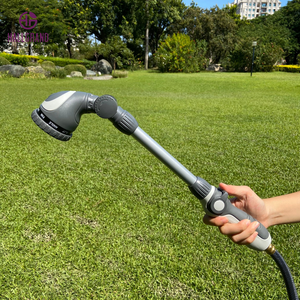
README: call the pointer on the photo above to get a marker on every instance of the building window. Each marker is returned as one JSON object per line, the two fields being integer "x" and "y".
{"x": 274, "y": 10}
{"x": 269, "y": 10}
{"x": 264, "y": 5}
{"x": 274, "y": 4}
{"x": 253, "y": 9}
{"x": 270, "y": 4}
{"x": 249, "y": 15}
{"x": 253, "y": 16}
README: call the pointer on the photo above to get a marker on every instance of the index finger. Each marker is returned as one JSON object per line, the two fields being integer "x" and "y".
{"x": 215, "y": 221}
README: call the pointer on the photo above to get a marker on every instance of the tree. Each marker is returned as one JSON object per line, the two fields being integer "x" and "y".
{"x": 50, "y": 20}
{"x": 77, "y": 20}
{"x": 214, "y": 25}
{"x": 10, "y": 12}
{"x": 153, "y": 18}
{"x": 269, "y": 30}
{"x": 116, "y": 51}
{"x": 139, "y": 22}
{"x": 270, "y": 43}
{"x": 289, "y": 17}
{"x": 162, "y": 14}
{"x": 111, "y": 18}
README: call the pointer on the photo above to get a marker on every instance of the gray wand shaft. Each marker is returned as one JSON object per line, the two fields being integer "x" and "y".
{"x": 164, "y": 156}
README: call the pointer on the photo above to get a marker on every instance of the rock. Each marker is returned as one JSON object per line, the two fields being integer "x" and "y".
{"x": 214, "y": 67}
{"x": 69, "y": 76}
{"x": 102, "y": 66}
{"x": 90, "y": 73}
{"x": 35, "y": 70}
{"x": 76, "y": 74}
{"x": 104, "y": 77}
{"x": 13, "y": 70}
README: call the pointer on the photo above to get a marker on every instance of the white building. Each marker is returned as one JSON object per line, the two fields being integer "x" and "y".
{"x": 251, "y": 9}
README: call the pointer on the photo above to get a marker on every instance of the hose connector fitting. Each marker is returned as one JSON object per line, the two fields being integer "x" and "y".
{"x": 270, "y": 250}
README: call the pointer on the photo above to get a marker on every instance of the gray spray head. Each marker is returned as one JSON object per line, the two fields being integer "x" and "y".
{"x": 59, "y": 115}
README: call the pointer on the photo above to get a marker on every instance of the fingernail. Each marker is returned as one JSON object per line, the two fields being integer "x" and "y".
{"x": 247, "y": 222}
{"x": 256, "y": 224}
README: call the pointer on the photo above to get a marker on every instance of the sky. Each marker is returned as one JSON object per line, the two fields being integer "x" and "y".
{"x": 220, "y": 3}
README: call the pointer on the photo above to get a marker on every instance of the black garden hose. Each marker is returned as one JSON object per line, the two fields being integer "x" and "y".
{"x": 286, "y": 273}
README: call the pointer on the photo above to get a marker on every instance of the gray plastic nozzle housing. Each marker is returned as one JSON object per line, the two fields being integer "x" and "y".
{"x": 59, "y": 115}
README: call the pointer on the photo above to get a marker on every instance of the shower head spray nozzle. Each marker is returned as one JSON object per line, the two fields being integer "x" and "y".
{"x": 59, "y": 115}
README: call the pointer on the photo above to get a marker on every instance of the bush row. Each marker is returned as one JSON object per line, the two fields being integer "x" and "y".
{"x": 288, "y": 68}
{"x": 24, "y": 60}
{"x": 61, "y": 72}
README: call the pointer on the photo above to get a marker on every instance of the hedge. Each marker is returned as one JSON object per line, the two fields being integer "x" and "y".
{"x": 23, "y": 60}
{"x": 288, "y": 68}
{"x": 61, "y": 62}
{"x": 16, "y": 59}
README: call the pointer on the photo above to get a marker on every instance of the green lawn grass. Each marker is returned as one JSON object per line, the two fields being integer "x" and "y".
{"x": 99, "y": 217}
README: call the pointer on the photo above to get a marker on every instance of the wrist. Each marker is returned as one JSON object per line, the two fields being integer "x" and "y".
{"x": 283, "y": 209}
{"x": 269, "y": 218}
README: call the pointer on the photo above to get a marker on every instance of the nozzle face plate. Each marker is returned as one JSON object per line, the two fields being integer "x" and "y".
{"x": 49, "y": 127}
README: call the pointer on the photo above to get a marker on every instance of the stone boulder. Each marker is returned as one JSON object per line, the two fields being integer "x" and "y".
{"x": 214, "y": 67}
{"x": 76, "y": 74}
{"x": 102, "y": 66}
{"x": 90, "y": 73}
{"x": 13, "y": 70}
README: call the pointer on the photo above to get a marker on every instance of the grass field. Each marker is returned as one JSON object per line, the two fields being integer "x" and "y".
{"x": 99, "y": 217}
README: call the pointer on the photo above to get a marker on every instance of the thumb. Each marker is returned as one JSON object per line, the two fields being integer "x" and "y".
{"x": 236, "y": 191}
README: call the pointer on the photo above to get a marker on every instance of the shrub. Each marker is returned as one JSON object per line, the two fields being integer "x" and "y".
{"x": 48, "y": 65}
{"x": 79, "y": 68}
{"x": 34, "y": 75}
{"x": 62, "y": 62}
{"x": 88, "y": 63}
{"x": 57, "y": 73}
{"x": 33, "y": 64}
{"x": 298, "y": 59}
{"x": 265, "y": 57}
{"x": 178, "y": 53}
{"x": 288, "y": 68}
{"x": 4, "y": 61}
{"x": 16, "y": 59}
{"x": 119, "y": 74}
{"x": 4, "y": 75}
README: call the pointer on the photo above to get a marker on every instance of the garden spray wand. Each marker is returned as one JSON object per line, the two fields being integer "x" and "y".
{"x": 59, "y": 116}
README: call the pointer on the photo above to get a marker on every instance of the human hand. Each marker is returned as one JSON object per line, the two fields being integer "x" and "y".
{"x": 242, "y": 233}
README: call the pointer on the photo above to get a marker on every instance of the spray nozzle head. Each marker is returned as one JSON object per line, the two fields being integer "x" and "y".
{"x": 59, "y": 115}
{"x": 42, "y": 121}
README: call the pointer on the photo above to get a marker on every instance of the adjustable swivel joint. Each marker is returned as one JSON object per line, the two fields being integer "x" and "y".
{"x": 106, "y": 107}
